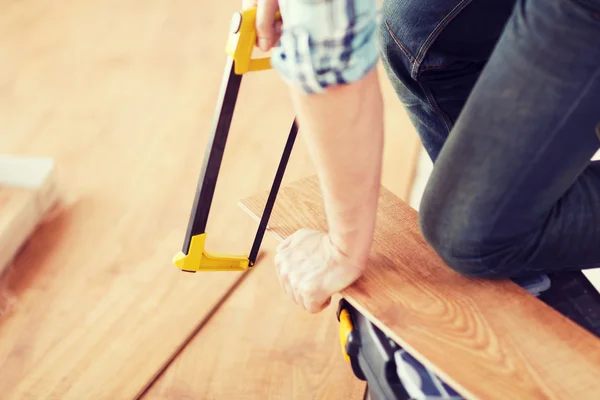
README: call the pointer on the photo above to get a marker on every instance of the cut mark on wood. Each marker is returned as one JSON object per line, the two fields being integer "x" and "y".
{"x": 487, "y": 339}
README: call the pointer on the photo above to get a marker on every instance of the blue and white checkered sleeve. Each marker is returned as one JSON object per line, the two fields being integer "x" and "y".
{"x": 326, "y": 43}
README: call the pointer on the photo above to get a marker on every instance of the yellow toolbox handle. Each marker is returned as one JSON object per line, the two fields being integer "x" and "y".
{"x": 345, "y": 329}
{"x": 242, "y": 40}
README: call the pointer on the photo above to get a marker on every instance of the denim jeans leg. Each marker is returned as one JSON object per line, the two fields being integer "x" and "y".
{"x": 513, "y": 191}
{"x": 433, "y": 52}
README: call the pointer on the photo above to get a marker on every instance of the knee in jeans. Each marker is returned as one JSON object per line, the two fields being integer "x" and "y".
{"x": 461, "y": 243}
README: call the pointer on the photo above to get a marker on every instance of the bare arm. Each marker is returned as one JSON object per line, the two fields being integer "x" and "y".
{"x": 343, "y": 130}
{"x": 342, "y": 125}
{"x": 327, "y": 53}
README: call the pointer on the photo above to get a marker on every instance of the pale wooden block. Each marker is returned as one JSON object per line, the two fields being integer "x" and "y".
{"x": 27, "y": 191}
{"x": 593, "y": 276}
{"x": 32, "y": 173}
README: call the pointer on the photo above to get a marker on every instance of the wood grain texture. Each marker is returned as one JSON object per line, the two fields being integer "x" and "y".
{"x": 121, "y": 94}
{"x": 491, "y": 340}
{"x": 260, "y": 338}
{"x": 262, "y": 346}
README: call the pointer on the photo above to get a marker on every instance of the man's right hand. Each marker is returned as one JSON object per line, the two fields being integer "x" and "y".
{"x": 268, "y": 29}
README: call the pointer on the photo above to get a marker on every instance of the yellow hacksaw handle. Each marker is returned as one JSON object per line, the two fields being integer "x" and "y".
{"x": 242, "y": 40}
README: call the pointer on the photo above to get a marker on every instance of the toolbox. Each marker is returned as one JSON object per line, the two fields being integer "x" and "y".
{"x": 392, "y": 373}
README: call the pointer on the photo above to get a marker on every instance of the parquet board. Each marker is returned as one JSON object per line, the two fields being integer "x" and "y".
{"x": 262, "y": 346}
{"x": 274, "y": 377}
{"x": 121, "y": 94}
{"x": 490, "y": 340}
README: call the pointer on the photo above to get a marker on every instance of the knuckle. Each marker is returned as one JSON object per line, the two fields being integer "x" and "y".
{"x": 290, "y": 282}
{"x": 284, "y": 276}
{"x": 313, "y": 307}
{"x": 295, "y": 286}
{"x": 262, "y": 29}
{"x": 308, "y": 289}
{"x": 282, "y": 262}
{"x": 278, "y": 260}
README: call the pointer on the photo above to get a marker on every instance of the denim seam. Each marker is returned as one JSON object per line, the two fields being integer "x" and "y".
{"x": 517, "y": 186}
{"x": 430, "y": 67}
{"x": 434, "y": 105}
{"x": 434, "y": 34}
{"x": 399, "y": 44}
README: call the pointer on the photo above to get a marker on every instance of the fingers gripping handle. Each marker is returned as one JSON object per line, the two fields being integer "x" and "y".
{"x": 242, "y": 40}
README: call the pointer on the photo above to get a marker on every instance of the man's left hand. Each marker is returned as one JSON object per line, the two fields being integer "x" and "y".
{"x": 311, "y": 269}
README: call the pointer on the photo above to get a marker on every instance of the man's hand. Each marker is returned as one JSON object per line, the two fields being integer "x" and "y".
{"x": 311, "y": 269}
{"x": 268, "y": 30}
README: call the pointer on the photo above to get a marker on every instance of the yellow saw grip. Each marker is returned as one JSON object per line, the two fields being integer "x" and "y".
{"x": 242, "y": 41}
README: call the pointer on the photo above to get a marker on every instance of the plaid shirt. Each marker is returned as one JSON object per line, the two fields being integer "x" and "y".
{"x": 326, "y": 42}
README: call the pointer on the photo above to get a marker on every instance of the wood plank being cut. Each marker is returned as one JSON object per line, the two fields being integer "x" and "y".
{"x": 262, "y": 346}
{"x": 27, "y": 191}
{"x": 488, "y": 339}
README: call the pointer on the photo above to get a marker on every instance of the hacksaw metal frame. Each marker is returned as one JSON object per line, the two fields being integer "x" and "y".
{"x": 194, "y": 257}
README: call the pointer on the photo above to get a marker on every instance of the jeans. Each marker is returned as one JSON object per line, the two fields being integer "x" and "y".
{"x": 505, "y": 96}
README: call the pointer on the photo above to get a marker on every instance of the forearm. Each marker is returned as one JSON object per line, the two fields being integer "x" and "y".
{"x": 327, "y": 52}
{"x": 343, "y": 130}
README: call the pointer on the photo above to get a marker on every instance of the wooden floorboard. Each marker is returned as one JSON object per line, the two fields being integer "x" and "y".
{"x": 262, "y": 346}
{"x": 226, "y": 349}
{"x": 490, "y": 340}
{"x": 121, "y": 94}
{"x": 277, "y": 328}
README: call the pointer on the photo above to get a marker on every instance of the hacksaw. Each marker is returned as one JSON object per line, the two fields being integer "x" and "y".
{"x": 194, "y": 257}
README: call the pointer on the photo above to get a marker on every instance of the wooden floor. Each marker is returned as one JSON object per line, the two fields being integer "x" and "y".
{"x": 121, "y": 95}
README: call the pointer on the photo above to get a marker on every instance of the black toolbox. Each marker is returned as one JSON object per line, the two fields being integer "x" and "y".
{"x": 392, "y": 373}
